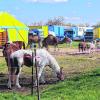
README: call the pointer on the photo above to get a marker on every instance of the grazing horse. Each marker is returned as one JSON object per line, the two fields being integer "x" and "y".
{"x": 34, "y": 39}
{"x": 43, "y": 59}
{"x": 66, "y": 40}
{"x": 50, "y": 40}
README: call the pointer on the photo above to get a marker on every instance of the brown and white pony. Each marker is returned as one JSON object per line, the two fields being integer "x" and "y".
{"x": 8, "y": 49}
{"x": 43, "y": 59}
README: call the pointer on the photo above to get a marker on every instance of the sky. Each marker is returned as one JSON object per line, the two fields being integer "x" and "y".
{"x": 74, "y": 11}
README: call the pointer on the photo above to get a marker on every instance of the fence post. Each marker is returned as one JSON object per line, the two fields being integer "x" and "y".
{"x": 38, "y": 94}
{"x": 32, "y": 76}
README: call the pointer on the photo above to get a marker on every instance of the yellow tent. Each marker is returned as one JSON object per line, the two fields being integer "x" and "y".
{"x": 13, "y": 29}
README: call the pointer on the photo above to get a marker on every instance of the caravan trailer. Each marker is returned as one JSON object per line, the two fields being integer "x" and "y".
{"x": 71, "y": 32}
{"x": 58, "y": 30}
{"x": 88, "y": 36}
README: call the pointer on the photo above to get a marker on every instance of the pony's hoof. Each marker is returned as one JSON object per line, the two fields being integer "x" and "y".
{"x": 18, "y": 86}
{"x": 42, "y": 82}
{"x": 9, "y": 88}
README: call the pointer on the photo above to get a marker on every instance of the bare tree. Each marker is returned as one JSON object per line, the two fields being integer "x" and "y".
{"x": 40, "y": 23}
{"x": 56, "y": 21}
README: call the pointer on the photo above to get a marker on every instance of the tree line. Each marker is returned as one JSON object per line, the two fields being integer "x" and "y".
{"x": 61, "y": 21}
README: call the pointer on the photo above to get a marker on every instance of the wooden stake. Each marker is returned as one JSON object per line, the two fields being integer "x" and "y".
{"x": 38, "y": 94}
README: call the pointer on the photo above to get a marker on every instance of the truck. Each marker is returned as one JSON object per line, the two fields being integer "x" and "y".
{"x": 58, "y": 30}
{"x": 71, "y": 32}
{"x": 88, "y": 35}
{"x": 43, "y": 30}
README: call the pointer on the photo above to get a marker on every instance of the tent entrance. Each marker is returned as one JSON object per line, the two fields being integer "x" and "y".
{"x": 3, "y": 38}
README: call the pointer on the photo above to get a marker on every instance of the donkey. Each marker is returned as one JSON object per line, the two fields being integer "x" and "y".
{"x": 24, "y": 57}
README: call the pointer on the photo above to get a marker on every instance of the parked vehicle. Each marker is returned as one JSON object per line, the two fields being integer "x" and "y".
{"x": 88, "y": 34}
{"x": 71, "y": 32}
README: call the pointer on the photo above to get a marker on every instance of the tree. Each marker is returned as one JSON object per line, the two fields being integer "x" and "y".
{"x": 56, "y": 21}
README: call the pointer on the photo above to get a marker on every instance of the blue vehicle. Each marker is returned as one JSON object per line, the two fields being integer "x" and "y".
{"x": 88, "y": 35}
{"x": 71, "y": 32}
{"x": 38, "y": 32}
{"x": 58, "y": 30}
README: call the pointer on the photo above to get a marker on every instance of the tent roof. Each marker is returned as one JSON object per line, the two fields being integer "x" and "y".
{"x": 9, "y": 21}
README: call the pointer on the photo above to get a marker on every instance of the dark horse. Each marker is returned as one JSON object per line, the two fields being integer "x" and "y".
{"x": 50, "y": 40}
{"x": 34, "y": 39}
{"x": 83, "y": 46}
{"x": 66, "y": 40}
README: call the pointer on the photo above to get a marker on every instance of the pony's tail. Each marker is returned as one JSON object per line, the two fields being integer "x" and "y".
{"x": 14, "y": 66}
{"x": 23, "y": 45}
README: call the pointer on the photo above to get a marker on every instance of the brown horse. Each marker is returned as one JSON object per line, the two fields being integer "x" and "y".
{"x": 13, "y": 46}
{"x": 34, "y": 39}
{"x": 66, "y": 40}
{"x": 8, "y": 49}
{"x": 82, "y": 46}
{"x": 50, "y": 40}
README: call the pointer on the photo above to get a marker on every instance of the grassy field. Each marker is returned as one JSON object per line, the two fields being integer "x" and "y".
{"x": 82, "y": 80}
{"x": 85, "y": 86}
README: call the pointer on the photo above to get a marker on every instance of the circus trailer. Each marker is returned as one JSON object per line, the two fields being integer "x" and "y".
{"x": 58, "y": 30}
{"x": 96, "y": 32}
{"x": 42, "y": 30}
{"x": 80, "y": 33}
{"x": 71, "y": 32}
{"x": 88, "y": 34}
{"x": 12, "y": 29}
{"x": 81, "y": 30}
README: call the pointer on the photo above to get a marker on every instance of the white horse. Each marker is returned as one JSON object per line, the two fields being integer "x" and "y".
{"x": 24, "y": 57}
{"x": 91, "y": 47}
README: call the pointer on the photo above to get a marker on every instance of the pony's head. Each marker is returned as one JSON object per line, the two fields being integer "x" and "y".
{"x": 60, "y": 75}
{"x": 8, "y": 48}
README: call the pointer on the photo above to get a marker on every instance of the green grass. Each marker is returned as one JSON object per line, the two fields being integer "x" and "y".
{"x": 85, "y": 86}
{"x": 74, "y": 45}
